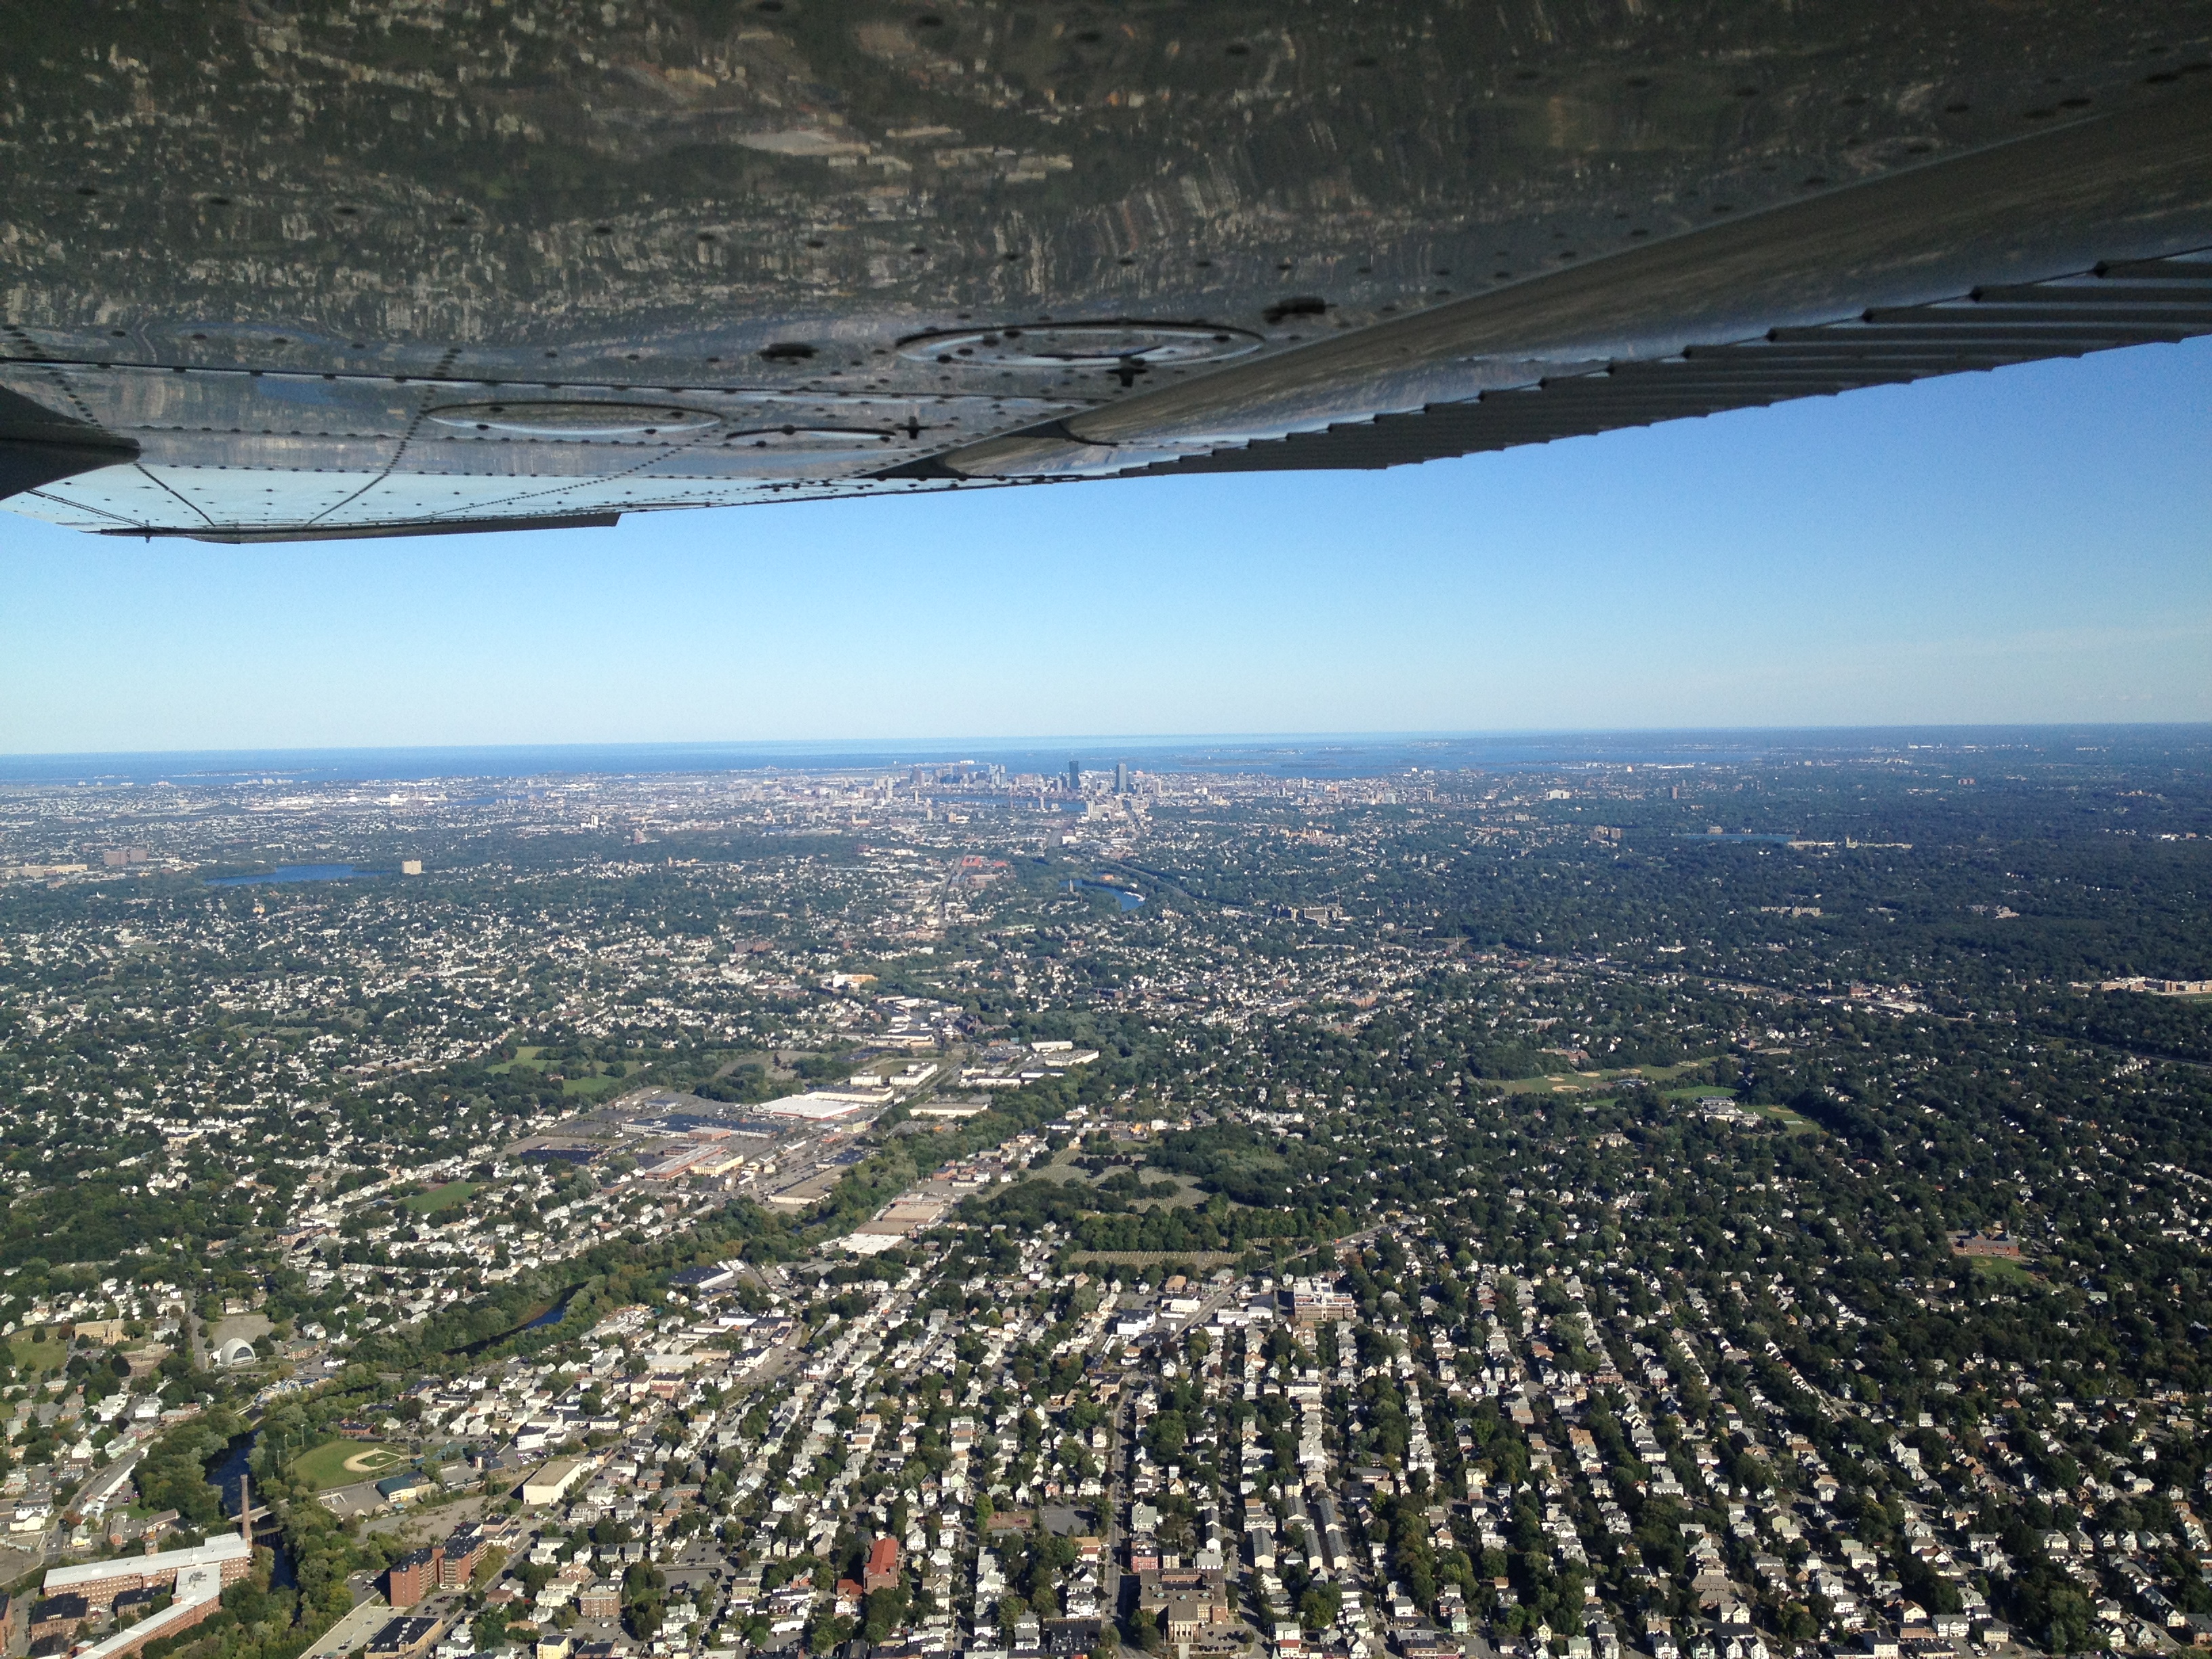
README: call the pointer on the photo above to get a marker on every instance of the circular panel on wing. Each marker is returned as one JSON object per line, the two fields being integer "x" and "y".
{"x": 807, "y": 437}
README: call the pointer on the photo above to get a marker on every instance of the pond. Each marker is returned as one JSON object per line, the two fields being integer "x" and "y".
{"x": 291, "y": 873}
{"x": 1127, "y": 899}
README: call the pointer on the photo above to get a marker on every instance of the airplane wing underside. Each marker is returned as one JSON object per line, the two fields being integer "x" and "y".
{"x": 463, "y": 267}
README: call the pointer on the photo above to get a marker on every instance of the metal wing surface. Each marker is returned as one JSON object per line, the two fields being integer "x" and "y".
{"x": 278, "y": 271}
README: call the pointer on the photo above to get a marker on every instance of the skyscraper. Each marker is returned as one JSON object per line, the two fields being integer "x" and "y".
{"x": 1120, "y": 777}
{"x": 1075, "y": 777}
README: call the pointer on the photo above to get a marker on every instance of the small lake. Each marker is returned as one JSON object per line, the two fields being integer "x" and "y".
{"x": 1129, "y": 900}
{"x": 291, "y": 873}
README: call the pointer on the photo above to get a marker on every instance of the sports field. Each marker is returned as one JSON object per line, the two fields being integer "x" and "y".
{"x": 342, "y": 1462}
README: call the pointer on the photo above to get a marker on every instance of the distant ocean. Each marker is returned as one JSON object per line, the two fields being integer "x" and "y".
{"x": 1289, "y": 756}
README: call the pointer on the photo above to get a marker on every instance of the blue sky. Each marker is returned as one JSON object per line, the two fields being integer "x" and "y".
{"x": 2031, "y": 546}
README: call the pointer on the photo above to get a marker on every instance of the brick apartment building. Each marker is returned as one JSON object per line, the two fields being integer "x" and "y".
{"x": 445, "y": 1565}
{"x": 59, "y": 1615}
{"x": 1188, "y": 1601}
{"x": 600, "y": 1601}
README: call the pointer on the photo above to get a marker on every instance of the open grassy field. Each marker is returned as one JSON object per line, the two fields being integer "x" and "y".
{"x": 1567, "y": 1078}
{"x": 42, "y": 1349}
{"x": 446, "y": 1197}
{"x": 342, "y": 1462}
{"x": 1796, "y": 1123}
{"x": 587, "y": 1078}
{"x": 2000, "y": 1270}
{"x": 1668, "y": 1073}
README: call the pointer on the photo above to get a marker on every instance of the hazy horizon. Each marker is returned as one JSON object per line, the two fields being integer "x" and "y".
{"x": 2027, "y": 546}
{"x": 1310, "y": 754}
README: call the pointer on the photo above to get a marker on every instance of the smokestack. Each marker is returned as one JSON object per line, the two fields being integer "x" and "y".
{"x": 245, "y": 1505}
